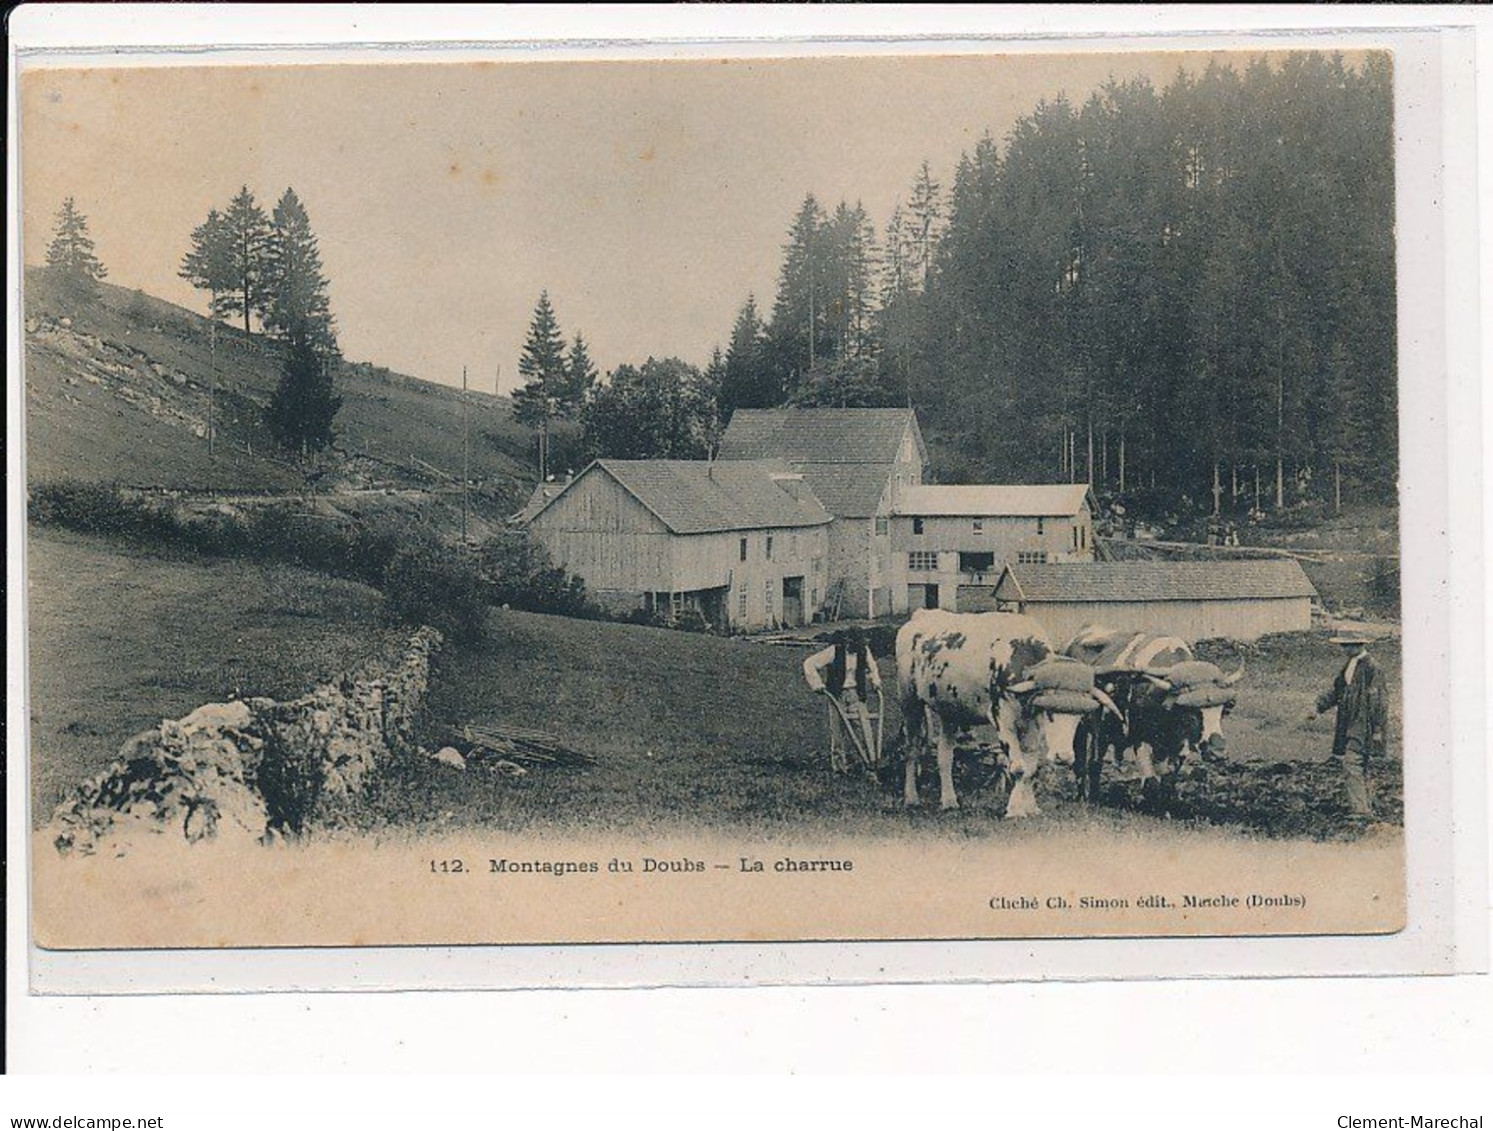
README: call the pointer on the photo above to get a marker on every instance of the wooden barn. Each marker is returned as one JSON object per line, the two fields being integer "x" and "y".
{"x": 1241, "y": 600}
{"x": 744, "y": 544}
{"x": 950, "y": 543}
{"x": 857, "y": 461}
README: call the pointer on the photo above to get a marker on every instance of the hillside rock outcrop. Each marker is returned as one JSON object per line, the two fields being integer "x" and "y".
{"x": 253, "y": 769}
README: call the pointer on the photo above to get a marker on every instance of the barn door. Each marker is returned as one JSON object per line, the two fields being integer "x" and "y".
{"x": 793, "y": 601}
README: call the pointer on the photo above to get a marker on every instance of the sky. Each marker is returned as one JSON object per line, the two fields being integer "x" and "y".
{"x": 647, "y": 197}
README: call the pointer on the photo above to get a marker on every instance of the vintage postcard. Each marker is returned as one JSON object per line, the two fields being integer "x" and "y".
{"x": 857, "y": 497}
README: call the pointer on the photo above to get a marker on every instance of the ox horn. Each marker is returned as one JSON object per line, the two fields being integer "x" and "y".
{"x": 1160, "y": 681}
{"x": 1230, "y": 680}
{"x": 1106, "y": 702}
{"x": 1023, "y": 687}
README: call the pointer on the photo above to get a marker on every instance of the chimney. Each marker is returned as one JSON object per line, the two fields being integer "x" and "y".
{"x": 791, "y": 483}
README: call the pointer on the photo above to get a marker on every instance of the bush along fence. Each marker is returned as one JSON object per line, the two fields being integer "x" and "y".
{"x": 255, "y": 770}
{"x": 424, "y": 581}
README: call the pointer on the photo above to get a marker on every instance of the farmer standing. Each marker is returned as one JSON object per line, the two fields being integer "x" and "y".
{"x": 846, "y": 672}
{"x": 1358, "y": 695}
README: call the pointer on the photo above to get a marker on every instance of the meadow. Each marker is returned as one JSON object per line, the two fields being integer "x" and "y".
{"x": 687, "y": 732}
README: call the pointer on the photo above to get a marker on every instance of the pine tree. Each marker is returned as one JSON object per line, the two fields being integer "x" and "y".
{"x": 300, "y": 413}
{"x": 747, "y": 382}
{"x": 297, "y": 300}
{"x": 711, "y": 383}
{"x": 71, "y": 250}
{"x": 843, "y": 382}
{"x": 798, "y": 335}
{"x": 247, "y": 247}
{"x": 208, "y": 264}
{"x": 898, "y": 317}
{"x": 542, "y": 365}
{"x": 924, "y": 217}
{"x": 580, "y": 378}
{"x": 857, "y": 236}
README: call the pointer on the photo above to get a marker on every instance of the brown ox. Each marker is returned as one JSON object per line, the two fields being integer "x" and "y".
{"x": 999, "y": 670}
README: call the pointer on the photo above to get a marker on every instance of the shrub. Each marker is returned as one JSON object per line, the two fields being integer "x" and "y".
{"x": 1384, "y": 585}
{"x": 276, "y": 534}
{"x": 431, "y": 584}
{"x": 645, "y": 617}
{"x": 692, "y": 620}
{"x": 518, "y": 573}
{"x": 102, "y": 509}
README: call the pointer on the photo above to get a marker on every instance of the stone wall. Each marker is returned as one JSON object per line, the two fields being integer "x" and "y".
{"x": 254, "y": 769}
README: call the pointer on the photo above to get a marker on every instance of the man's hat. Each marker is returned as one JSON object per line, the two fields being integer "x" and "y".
{"x": 1353, "y": 638}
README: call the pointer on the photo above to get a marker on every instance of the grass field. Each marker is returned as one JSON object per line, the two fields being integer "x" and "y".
{"x": 688, "y": 732}
{"x": 120, "y": 640}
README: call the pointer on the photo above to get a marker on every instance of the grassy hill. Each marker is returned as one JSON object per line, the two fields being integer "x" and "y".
{"x": 120, "y": 639}
{"x": 117, "y": 389}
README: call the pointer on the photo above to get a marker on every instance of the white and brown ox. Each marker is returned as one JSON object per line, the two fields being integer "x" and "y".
{"x": 958, "y": 671}
{"x": 1172, "y": 706}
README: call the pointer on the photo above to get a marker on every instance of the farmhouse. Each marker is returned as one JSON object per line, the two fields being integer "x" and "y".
{"x": 742, "y": 543}
{"x": 1242, "y": 600}
{"x": 949, "y": 544}
{"x": 857, "y": 461}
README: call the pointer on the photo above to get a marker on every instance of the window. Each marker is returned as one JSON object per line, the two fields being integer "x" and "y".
{"x": 741, "y": 606}
{"x": 1031, "y": 557}
{"x": 769, "y": 547}
{"x": 818, "y": 565}
{"x": 793, "y": 547}
{"x": 917, "y": 526}
{"x": 982, "y": 562}
{"x": 676, "y": 604}
{"x": 923, "y": 561}
{"x": 767, "y": 596}
{"x": 1075, "y": 537}
{"x": 979, "y": 526}
{"x": 881, "y": 524}
{"x": 743, "y": 549}
{"x": 1041, "y": 526}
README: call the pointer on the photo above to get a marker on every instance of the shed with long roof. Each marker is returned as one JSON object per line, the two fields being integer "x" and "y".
{"x": 1241, "y": 600}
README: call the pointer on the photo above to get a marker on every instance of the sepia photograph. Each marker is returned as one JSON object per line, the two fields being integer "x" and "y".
{"x": 849, "y": 497}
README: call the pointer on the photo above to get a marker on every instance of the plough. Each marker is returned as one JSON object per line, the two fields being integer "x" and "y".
{"x": 858, "y": 727}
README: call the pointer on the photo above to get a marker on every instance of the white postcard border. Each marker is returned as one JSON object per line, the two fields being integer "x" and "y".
{"x": 1446, "y": 802}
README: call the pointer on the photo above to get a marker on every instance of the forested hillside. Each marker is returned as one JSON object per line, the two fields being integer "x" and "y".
{"x": 1144, "y": 289}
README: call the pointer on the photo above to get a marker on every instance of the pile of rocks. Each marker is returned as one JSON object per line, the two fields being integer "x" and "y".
{"x": 253, "y": 769}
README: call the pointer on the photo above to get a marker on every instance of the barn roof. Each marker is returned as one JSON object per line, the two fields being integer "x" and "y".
{"x": 1046, "y": 499}
{"x": 845, "y": 453}
{"x": 1155, "y": 581}
{"x": 696, "y": 497}
{"x": 818, "y": 435}
{"x": 847, "y": 488}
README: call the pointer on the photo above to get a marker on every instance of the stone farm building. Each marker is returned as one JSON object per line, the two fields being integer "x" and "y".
{"x": 950, "y": 543}
{"x": 1243, "y": 600}
{"x": 743, "y": 543}
{"x": 857, "y": 461}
